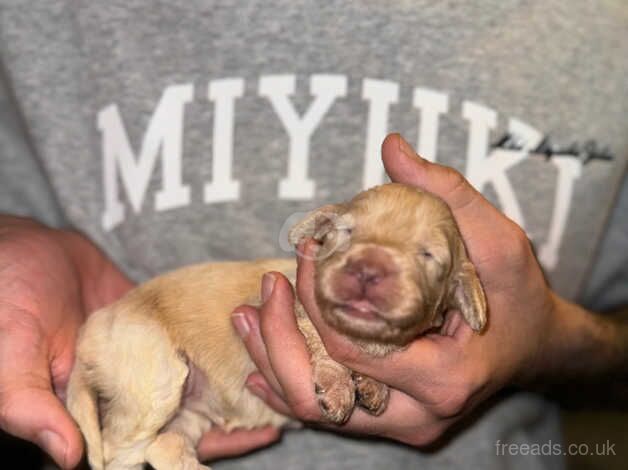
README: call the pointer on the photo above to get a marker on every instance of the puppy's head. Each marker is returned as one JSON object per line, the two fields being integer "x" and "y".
{"x": 391, "y": 261}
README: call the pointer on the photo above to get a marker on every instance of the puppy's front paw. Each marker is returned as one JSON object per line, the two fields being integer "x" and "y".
{"x": 370, "y": 394}
{"x": 335, "y": 391}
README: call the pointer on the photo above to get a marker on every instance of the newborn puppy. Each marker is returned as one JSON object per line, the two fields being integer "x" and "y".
{"x": 161, "y": 366}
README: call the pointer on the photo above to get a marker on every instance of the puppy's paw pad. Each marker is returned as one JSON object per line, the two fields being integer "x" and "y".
{"x": 370, "y": 394}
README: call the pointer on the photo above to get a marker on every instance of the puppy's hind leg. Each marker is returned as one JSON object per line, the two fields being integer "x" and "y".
{"x": 175, "y": 447}
{"x": 142, "y": 387}
{"x": 173, "y": 451}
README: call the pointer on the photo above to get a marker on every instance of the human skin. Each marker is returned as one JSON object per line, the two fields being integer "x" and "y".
{"x": 50, "y": 280}
{"x": 532, "y": 337}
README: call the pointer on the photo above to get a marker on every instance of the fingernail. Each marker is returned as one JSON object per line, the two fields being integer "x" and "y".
{"x": 406, "y": 148}
{"x": 268, "y": 284}
{"x": 312, "y": 248}
{"x": 241, "y": 324}
{"x": 257, "y": 391}
{"x": 308, "y": 250}
{"x": 54, "y": 445}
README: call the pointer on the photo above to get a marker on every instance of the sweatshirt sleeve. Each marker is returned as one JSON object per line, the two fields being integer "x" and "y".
{"x": 607, "y": 288}
{"x": 24, "y": 187}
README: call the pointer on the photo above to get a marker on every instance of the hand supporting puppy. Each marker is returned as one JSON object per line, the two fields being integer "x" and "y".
{"x": 49, "y": 281}
{"x": 439, "y": 377}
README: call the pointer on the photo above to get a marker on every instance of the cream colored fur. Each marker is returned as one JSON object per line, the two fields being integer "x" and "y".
{"x": 161, "y": 366}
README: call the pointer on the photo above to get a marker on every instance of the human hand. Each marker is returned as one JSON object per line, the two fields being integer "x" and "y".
{"x": 439, "y": 377}
{"x": 49, "y": 281}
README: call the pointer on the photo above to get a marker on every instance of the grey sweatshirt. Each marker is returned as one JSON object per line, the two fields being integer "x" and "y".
{"x": 172, "y": 133}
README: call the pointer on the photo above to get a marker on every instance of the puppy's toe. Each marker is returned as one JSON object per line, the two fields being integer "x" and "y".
{"x": 335, "y": 392}
{"x": 336, "y": 403}
{"x": 370, "y": 394}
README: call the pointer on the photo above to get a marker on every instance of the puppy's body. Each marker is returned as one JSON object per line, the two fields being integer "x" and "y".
{"x": 158, "y": 368}
{"x": 197, "y": 322}
{"x": 165, "y": 355}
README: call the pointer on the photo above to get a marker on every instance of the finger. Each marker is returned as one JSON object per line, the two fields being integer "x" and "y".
{"x": 477, "y": 218}
{"x": 259, "y": 386}
{"x": 411, "y": 370}
{"x": 404, "y": 165}
{"x": 38, "y": 416}
{"x": 345, "y": 351}
{"x": 403, "y": 370}
{"x": 306, "y": 268}
{"x": 245, "y": 320}
{"x": 218, "y": 443}
{"x": 28, "y": 407}
{"x": 340, "y": 347}
{"x": 287, "y": 352}
{"x": 405, "y": 420}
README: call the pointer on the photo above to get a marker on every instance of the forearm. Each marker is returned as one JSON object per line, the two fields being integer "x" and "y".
{"x": 586, "y": 352}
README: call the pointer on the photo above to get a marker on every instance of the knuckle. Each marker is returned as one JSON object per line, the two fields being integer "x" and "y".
{"x": 459, "y": 192}
{"x": 455, "y": 402}
{"x": 454, "y": 178}
{"x": 520, "y": 240}
{"x": 517, "y": 247}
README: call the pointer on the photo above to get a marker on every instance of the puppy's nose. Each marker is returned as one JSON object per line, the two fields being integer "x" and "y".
{"x": 365, "y": 271}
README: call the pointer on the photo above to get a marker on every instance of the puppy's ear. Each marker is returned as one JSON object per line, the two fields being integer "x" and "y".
{"x": 466, "y": 293}
{"x": 316, "y": 224}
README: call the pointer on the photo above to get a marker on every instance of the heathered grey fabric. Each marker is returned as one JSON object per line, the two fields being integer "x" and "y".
{"x": 558, "y": 67}
{"x": 608, "y": 284}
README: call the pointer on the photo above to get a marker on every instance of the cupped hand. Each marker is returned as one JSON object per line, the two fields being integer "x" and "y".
{"x": 441, "y": 376}
{"x": 50, "y": 280}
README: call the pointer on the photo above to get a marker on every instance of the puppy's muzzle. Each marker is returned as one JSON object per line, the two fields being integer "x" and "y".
{"x": 364, "y": 282}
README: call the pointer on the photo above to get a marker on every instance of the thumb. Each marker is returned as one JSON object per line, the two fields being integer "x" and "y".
{"x": 37, "y": 415}
{"x": 29, "y": 408}
{"x": 477, "y": 218}
{"x": 404, "y": 165}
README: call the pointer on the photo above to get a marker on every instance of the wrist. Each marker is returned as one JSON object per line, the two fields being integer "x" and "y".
{"x": 579, "y": 346}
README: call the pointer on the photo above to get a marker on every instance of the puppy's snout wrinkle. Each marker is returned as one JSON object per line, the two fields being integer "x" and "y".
{"x": 365, "y": 271}
{"x": 361, "y": 274}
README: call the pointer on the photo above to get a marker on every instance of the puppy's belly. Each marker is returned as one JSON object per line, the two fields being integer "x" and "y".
{"x": 223, "y": 407}
{"x": 194, "y": 305}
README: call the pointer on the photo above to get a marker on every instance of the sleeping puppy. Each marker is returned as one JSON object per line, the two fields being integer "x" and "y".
{"x": 161, "y": 366}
